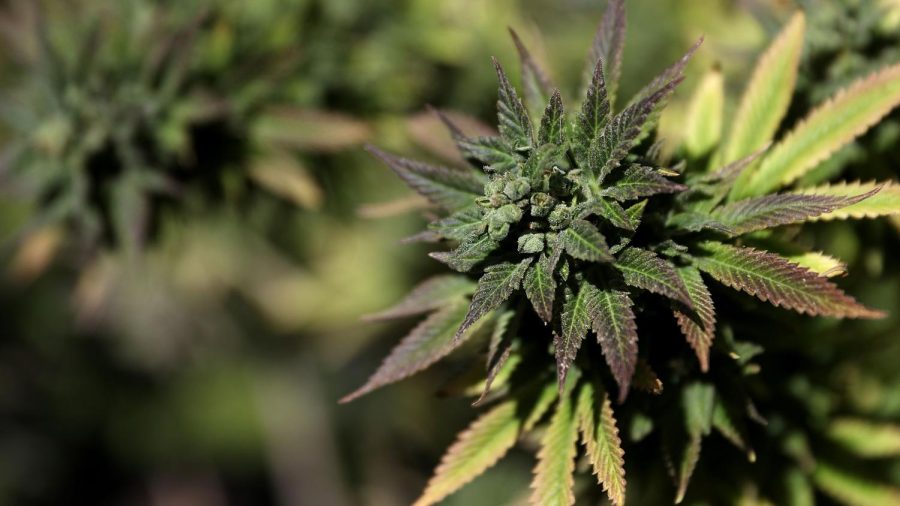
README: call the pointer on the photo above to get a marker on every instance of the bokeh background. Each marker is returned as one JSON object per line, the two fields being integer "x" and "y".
{"x": 200, "y": 361}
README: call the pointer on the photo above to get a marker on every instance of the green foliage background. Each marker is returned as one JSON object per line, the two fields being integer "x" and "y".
{"x": 204, "y": 364}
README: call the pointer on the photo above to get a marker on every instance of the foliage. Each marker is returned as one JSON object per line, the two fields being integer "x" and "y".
{"x": 582, "y": 226}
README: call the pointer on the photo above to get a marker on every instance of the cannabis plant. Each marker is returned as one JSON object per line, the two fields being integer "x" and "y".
{"x": 576, "y": 225}
{"x": 132, "y": 108}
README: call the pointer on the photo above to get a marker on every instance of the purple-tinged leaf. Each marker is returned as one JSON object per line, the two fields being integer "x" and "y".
{"x": 699, "y": 325}
{"x": 431, "y": 340}
{"x": 777, "y": 281}
{"x": 432, "y": 293}
{"x": 639, "y": 182}
{"x": 609, "y": 41}
{"x": 553, "y": 122}
{"x": 609, "y": 210}
{"x": 575, "y": 322}
{"x": 449, "y": 188}
{"x": 540, "y": 288}
{"x": 770, "y": 211}
{"x": 495, "y": 286}
{"x": 470, "y": 252}
{"x": 613, "y": 322}
{"x": 600, "y": 436}
{"x": 500, "y": 349}
{"x": 593, "y": 117}
{"x": 491, "y": 153}
{"x": 534, "y": 79}
{"x": 695, "y": 222}
{"x": 515, "y": 125}
{"x": 584, "y": 242}
{"x": 643, "y": 269}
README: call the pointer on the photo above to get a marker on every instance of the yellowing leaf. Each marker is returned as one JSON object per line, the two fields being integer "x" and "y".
{"x": 885, "y": 202}
{"x": 830, "y": 127}
{"x": 820, "y": 263}
{"x": 767, "y": 96}
{"x": 867, "y": 439}
{"x": 704, "y": 116}
{"x": 553, "y": 475}
{"x": 850, "y": 489}
{"x": 601, "y": 439}
{"x": 476, "y": 449}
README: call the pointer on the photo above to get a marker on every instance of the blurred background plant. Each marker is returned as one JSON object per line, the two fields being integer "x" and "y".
{"x": 190, "y": 233}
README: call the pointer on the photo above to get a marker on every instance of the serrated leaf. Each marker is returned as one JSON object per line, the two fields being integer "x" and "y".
{"x": 704, "y": 117}
{"x": 471, "y": 252}
{"x": 575, "y": 322}
{"x": 624, "y": 131}
{"x": 493, "y": 153}
{"x": 540, "y": 288}
{"x": 543, "y": 158}
{"x": 850, "y": 489}
{"x": 820, "y": 263}
{"x": 773, "y": 279}
{"x": 613, "y": 322}
{"x": 718, "y": 184}
{"x": 451, "y": 189}
{"x": 432, "y": 293}
{"x": 643, "y": 269}
{"x": 593, "y": 117}
{"x": 476, "y": 449}
{"x": 495, "y": 286}
{"x": 886, "y": 202}
{"x": 636, "y": 212}
{"x": 691, "y": 221}
{"x": 500, "y": 350}
{"x": 602, "y": 442}
{"x": 831, "y": 126}
{"x": 431, "y": 340}
{"x": 610, "y": 210}
{"x": 865, "y": 438}
{"x": 513, "y": 121}
{"x": 554, "y": 473}
{"x": 768, "y": 94}
{"x": 769, "y": 211}
{"x": 584, "y": 242}
{"x": 460, "y": 225}
{"x": 553, "y": 122}
{"x": 535, "y": 81}
{"x": 609, "y": 41}
{"x": 699, "y": 325}
{"x": 638, "y": 181}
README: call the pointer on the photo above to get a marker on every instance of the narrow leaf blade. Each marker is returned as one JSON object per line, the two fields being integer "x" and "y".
{"x": 613, "y": 321}
{"x": 495, "y": 286}
{"x": 554, "y": 473}
{"x": 643, "y": 269}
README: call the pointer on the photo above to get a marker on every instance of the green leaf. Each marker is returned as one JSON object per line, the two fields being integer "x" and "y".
{"x": 609, "y": 41}
{"x": 600, "y": 437}
{"x": 610, "y": 210}
{"x": 553, "y": 475}
{"x": 723, "y": 422}
{"x": 704, "y": 117}
{"x": 771, "y": 211}
{"x": 432, "y": 293}
{"x": 476, "y": 449}
{"x": 462, "y": 224}
{"x": 503, "y": 343}
{"x": 613, "y": 322}
{"x": 643, "y": 269}
{"x": 534, "y": 79}
{"x": 885, "y": 202}
{"x": 695, "y": 222}
{"x": 431, "y": 340}
{"x": 638, "y": 181}
{"x": 831, "y": 126}
{"x": 495, "y": 286}
{"x": 853, "y": 490}
{"x": 683, "y": 469}
{"x": 515, "y": 125}
{"x": 575, "y": 322}
{"x": 471, "y": 252}
{"x": 698, "y": 400}
{"x": 777, "y": 281}
{"x": 593, "y": 117}
{"x": 493, "y": 153}
{"x": 865, "y": 438}
{"x": 584, "y": 242}
{"x": 543, "y": 158}
{"x": 768, "y": 94}
{"x": 540, "y": 288}
{"x": 699, "y": 325}
{"x": 545, "y": 399}
{"x": 553, "y": 121}
{"x": 451, "y": 189}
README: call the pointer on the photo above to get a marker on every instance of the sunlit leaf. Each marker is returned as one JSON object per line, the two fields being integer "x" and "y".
{"x": 600, "y": 437}
{"x": 553, "y": 475}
